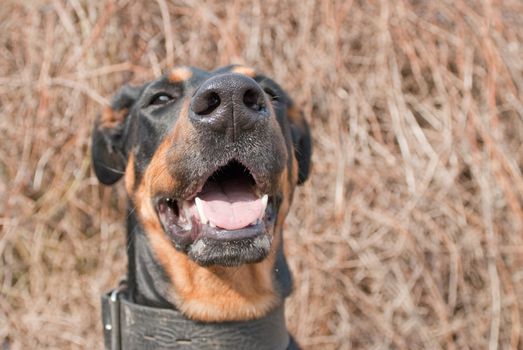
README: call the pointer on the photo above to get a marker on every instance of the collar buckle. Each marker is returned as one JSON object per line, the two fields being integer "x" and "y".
{"x": 111, "y": 317}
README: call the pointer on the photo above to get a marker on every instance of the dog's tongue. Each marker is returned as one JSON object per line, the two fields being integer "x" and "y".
{"x": 231, "y": 204}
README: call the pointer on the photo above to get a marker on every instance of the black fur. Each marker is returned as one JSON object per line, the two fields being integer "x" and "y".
{"x": 108, "y": 147}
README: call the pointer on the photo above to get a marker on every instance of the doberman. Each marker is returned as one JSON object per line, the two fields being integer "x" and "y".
{"x": 210, "y": 161}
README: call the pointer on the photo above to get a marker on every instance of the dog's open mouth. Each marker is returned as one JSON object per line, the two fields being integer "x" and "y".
{"x": 229, "y": 207}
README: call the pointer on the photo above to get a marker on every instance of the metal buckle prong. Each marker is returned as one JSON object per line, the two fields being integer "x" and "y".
{"x": 114, "y": 327}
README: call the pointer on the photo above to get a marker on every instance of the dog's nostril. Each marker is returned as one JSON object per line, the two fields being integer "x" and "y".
{"x": 206, "y": 104}
{"x": 252, "y": 99}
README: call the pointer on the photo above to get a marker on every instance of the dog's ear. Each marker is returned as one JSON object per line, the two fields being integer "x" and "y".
{"x": 301, "y": 137}
{"x": 108, "y": 143}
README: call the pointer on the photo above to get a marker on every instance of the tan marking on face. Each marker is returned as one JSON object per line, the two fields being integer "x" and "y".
{"x": 110, "y": 117}
{"x": 295, "y": 116}
{"x": 130, "y": 176}
{"x": 248, "y": 71}
{"x": 287, "y": 185}
{"x": 210, "y": 294}
{"x": 179, "y": 74}
{"x": 228, "y": 293}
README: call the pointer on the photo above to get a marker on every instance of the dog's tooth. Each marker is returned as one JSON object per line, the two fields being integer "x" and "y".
{"x": 186, "y": 206}
{"x": 199, "y": 208}
{"x": 264, "y": 200}
{"x": 212, "y": 224}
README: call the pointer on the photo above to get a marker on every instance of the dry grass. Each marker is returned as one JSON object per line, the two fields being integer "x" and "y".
{"x": 408, "y": 235}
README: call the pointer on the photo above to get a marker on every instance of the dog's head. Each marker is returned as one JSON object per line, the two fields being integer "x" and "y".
{"x": 210, "y": 160}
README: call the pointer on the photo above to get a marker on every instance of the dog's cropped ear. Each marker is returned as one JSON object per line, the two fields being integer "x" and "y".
{"x": 301, "y": 137}
{"x": 107, "y": 150}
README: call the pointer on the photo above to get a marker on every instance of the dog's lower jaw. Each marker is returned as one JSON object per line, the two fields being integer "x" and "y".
{"x": 208, "y": 252}
{"x": 219, "y": 293}
{"x": 206, "y": 293}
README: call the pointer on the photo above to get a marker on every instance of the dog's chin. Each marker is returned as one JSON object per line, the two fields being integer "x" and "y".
{"x": 208, "y": 251}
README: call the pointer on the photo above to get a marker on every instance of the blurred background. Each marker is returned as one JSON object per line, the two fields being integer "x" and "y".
{"x": 409, "y": 233}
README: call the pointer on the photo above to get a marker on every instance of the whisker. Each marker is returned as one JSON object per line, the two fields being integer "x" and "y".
{"x": 105, "y": 166}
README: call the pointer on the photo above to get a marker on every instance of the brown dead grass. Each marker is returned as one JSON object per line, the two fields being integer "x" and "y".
{"x": 408, "y": 234}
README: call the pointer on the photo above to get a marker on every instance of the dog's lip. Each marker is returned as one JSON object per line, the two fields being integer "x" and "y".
{"x": 228, "y": 235}
{"x": 189, "y": 210}
{"x": 185, "y": 229}
{"x": 192, "y": 191}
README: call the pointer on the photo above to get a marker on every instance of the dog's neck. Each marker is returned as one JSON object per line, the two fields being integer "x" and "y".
{"x": 148, "y": 283}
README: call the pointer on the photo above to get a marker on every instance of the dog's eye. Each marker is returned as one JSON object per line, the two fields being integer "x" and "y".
{"x": 160, "y": 99}
{"x": 272, "y": 94}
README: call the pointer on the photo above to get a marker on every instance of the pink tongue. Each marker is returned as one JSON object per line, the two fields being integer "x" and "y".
{"x": 231, "y": 204}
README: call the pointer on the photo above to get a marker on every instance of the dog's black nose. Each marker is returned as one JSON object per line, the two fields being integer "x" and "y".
{"x": 229, "y": 103}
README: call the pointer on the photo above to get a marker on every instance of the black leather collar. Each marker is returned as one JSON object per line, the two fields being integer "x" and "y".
{"x": 131, "y": 326}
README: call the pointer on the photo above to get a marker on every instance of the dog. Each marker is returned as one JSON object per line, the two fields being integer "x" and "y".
{"x": 210, "y": 161}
